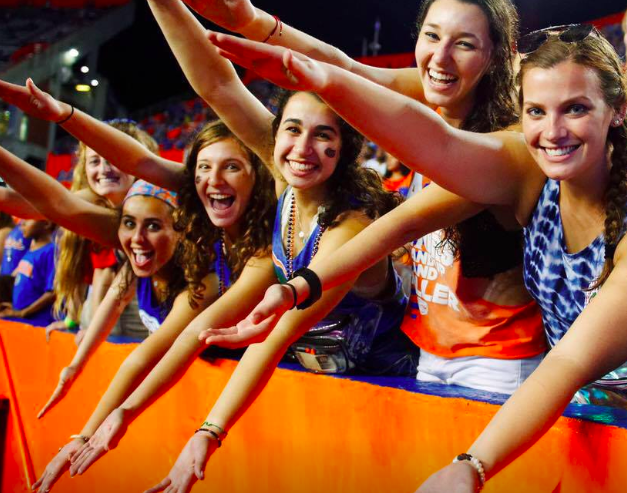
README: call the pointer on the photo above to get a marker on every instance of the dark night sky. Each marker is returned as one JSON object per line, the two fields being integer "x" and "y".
{"x": 142, "y": 71}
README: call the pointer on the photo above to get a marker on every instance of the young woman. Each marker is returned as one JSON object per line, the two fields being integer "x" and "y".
{"x": 565, "y": 183}
{"x": 226, "y": 208}
{"x": 469, "y": 312}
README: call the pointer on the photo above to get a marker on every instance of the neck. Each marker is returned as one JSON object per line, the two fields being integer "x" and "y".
{"x": 164, "y": 275}
{"x": 115, "y": 199}
{"x": 40, "y": 241}
{"x": 455, "y": 116}
{"x": 308, "y": 201}
{"x": 231, "y": 233}
{"x": 586, "y": 192}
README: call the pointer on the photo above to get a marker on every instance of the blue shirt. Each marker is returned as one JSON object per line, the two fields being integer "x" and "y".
{"x": 34, "y": 277}
{"x": 15, "y": 247}
{"x": 151, "y": 312}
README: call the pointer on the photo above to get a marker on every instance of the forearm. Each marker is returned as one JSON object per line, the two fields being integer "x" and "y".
{"x": 44, "y": 301}
{"x": 213, "y": 77}
{"x": 131, "y": 373}
{"x": 100, "y": 284}
{"x": 13, "y": 203}
{"x": 122, "y": 150}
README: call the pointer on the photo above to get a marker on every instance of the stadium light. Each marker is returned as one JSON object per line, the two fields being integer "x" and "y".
{"x": 70, "y": 56}
{"x": 83, "y": 88}
{"x": 94, "y": 82}
{"x": 85, "y": 69}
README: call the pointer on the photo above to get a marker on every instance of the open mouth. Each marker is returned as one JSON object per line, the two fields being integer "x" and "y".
{"x": 560, "y": 151}
{"x": 141, "y": 258}
{"x": 109, "y": 180}
{"x": 221, "y": 201}
{"x": 300, "y": 167}
{"x": 442, "y": 78}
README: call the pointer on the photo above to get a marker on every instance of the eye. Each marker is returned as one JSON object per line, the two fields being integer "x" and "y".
{"x": 431, "y": 35}
{"x": 534, "y": 112}
{"x": 128, "y": 223}
{"x": 203, "y": 166}
{"x": 577, "y": 109}
{"x": 323, "y": 135}
{"x": 232, "y": 166}
{"x": 467, "y": 45}
{"x": 154, "y": 226}
{"x": 292, "y": 129}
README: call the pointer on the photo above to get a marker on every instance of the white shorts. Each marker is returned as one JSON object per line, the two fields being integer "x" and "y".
{"x": 477, "y": 372}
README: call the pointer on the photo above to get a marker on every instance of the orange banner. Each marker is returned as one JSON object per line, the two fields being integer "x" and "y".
{"x": 305, "y": 434}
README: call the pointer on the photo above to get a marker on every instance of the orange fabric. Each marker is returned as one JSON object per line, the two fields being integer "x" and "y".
{"x": 445, "y": 318}
{"x": 395, "y": 185}
{"x": 304, "y": 433}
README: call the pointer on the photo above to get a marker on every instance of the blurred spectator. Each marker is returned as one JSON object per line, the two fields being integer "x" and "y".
{"x": 398, "y": 177}
{"x": 378, "y": 161}
{"x": 14, "y": 248}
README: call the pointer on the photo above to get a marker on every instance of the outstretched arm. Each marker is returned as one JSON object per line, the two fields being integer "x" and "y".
{"x": 242, "y": 17}
{"x": 490, "y": 168}
{"x": 429, "y": 210}
{"x": 594, "y": 345}
{"x": 105, "y": 317}
{"x": 227, "y": 310}
{"x": 57, "y": 203}
{"x": 115, "y": 146}
{"x": 213, "y": 78}
{"x": 131, "y": 372}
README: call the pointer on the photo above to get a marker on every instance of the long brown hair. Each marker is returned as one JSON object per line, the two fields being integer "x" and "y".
{"x": 197, "y": 254}
{"x": 73, "y": 263}
{"x": 596, "y": 53}
{"x": 352, "y": 186}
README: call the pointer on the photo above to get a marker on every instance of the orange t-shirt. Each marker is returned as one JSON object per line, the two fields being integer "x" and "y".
{"x": 445, "y": 318}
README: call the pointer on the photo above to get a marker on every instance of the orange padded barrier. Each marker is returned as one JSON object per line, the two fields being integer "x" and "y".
{"x": 305, "y": 434}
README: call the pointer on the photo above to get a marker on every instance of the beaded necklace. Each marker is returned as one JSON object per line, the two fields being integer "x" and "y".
{"x": 290, "y": 239}
{"x": 221, "y": 264}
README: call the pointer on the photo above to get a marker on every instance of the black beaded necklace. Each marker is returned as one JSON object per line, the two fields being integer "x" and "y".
{"x": 290, "y": 239}
{"x": 221, "y": 264}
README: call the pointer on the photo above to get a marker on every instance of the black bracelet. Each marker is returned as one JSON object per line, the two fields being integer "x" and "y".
{"x": 315, "y": 287}
{"x": 213, "y": 434}
{"x": 294, "y": 293}
{"x": 67, "y": 117}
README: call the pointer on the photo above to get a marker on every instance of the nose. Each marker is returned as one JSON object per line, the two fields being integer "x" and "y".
{"x": 441, "y": 53}
{"x": 138, "y": 235}
{"x": 105, "y": 166}
{"x": 215, "y": 176}
{"x": 303, "y": 144}
{"x": 554, "y": 128}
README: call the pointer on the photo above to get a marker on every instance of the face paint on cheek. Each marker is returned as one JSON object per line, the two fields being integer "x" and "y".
{"x": 330, "y": 152}
{"x": 197, "y": 180}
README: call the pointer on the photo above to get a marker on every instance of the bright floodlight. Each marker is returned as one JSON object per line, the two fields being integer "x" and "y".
{"x": 84, "y": 69}
{"x": 83, "y": 88}
{"x": 94, "y": 82}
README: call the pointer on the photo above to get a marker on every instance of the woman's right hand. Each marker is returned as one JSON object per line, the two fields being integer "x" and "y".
{"x": 57, "y": 466}
{"x": 67, "y": 377}
{"x": 257, "y": 325}
{"x": 459, "y": 477}
{"x": 33, "y": 101}
{"x": 229, "y": 14}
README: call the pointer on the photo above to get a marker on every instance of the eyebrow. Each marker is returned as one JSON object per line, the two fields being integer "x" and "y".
{"x": 461, "y": 35}
{"x": 327, "y": 128}
{"x": 576, "y": 99}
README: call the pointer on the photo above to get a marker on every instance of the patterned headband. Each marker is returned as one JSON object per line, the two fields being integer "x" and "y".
{"x": 143, "y": 188}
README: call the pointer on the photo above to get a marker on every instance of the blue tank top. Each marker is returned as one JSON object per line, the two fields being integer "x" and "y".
{"x": 151, "y": 312}
{"x": 371, "y": 318}
{"x": 556, "y": 279}
{"x": 221, "y": 267}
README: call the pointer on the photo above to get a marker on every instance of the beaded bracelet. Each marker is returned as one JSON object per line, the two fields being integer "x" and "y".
{"x": 476, "y": 464}
{"x": 278, "y": 25}
{"x": 213, "y": 434}
{"x": 82, "y": 437}
{"x": 69, "y": 323}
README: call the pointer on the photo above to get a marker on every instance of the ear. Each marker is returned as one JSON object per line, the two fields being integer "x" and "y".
{"x": 619, "y": 116}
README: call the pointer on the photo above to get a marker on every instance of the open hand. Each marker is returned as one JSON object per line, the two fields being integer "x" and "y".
{"x": 67, "y": 377}
{"x": 33, "y": 101}
{"x": 190, "y": 465}
{"x": 281, "y": 66}
{"x": 229, "y": 14}
{"x": 106, "y": 438}
{"x": 259, "y": 323}
{"x": 56, "y": 467}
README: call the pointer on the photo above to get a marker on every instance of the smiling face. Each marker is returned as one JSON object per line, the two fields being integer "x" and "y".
{"x": 224, "y": 179}
{"x": 307, "y": 142}
{"x": 566, "y": 121}
{"x": 105, "y": 179}
{"x": 453, "y": 53}
{"x": 147, "y": 235}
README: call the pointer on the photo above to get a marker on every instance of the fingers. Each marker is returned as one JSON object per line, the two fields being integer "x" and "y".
{"x": 198, "y": 470}
{"x": 160, "y": 487}
{"x": 212, "y": 335}
{"x": 49, "y": 330}
{"x": 85, "y": 461}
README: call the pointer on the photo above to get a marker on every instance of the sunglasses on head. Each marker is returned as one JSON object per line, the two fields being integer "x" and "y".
{"x": 569, "y": 33}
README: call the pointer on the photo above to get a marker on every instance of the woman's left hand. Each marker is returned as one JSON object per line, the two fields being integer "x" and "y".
{"x": 33, "y": 101}
{"x": 190, "y": 465}
{"x": 279, "y": 65}
{"x": 106, "y": 438}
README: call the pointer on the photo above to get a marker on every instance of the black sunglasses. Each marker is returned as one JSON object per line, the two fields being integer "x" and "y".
{"x": 569, "y": 33}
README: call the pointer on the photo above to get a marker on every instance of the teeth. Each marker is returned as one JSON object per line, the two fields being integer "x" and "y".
{"x": 219, "y": 196}
{"x": 441, "y": 76}
{"x": 301, "y": 166}
{"x": 108, "y": 180}
{"x": 559, "y": 151}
